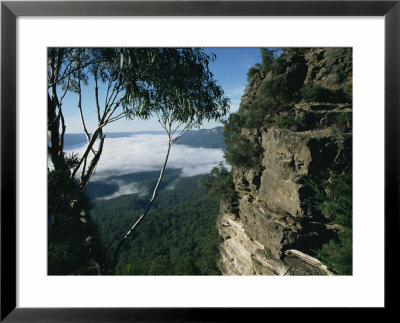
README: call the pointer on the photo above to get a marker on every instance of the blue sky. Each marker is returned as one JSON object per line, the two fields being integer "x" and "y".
{"x": 229, "y": 69}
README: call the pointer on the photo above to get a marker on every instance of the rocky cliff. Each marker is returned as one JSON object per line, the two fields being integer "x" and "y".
{"x": 272, "y": 226}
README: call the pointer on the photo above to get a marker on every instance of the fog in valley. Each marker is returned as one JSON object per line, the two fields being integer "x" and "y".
{"x": 144, "y": 153}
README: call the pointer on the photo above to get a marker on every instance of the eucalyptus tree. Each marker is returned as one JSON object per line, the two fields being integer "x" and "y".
{"x": 189, "y": 96}
{"x": 174, "y": 85}
{"x": 70, "y": 70}
{"x": 122, "y": 74}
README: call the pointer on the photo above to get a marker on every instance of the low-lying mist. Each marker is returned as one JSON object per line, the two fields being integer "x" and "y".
{"x": 146, "y": 152}
{"x": 125, "y": 189}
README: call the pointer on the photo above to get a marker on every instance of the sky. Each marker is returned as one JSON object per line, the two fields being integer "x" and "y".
{"x": 230, "y": 70}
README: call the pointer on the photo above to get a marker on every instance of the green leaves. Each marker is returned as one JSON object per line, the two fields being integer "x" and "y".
{"x": 72, "y": 245}
{"x": 287, "y": 120}
{"x": 334, "y": 198}
{"x": 338, "y": 254}
{"x": 239, "y": 151}
{"x": 174, "y": 81}
{"x": 317, "y": 93}
{"x": 220, "y": 183}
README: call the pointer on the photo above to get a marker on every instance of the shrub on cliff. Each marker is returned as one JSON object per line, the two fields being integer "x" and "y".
{"x": 279, "y": 66}
{"x": 341, "y": 122}
{"x": 334, "y": 198}
{"x": 288, "y": 121}
{"x": 280, "y": 86}
{"x": 220, "y": 183}
{"x": 259, "y": 109}
{"x": 338, "y": 199}
{"x": 239, "y": 151}
{"x": 317, "y": 93}
{"x": 243, "y": 153}
{"x": 338, "y": 254}
{"x": 253, "y": 71}
{"x": 276, "y": 88}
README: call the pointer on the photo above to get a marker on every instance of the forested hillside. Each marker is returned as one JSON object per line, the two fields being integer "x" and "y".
{"x": 177, "y": 237}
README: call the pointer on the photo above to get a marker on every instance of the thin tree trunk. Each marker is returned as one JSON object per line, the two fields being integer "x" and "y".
{"x": 86, "y": 176}
{"x": 116, "y": 253}
{"x": 55, "y": 149}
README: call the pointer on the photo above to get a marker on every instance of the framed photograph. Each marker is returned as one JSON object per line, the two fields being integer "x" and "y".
{"x": 343, "y": 108}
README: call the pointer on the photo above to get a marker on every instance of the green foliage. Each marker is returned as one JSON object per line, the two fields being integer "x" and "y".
{"x": 279, "y": 66}
{"x": 287, "y": 120}
{"x": 72, "y": 246}
{"x": 150, "y": 77}
{"x": 339, "y": 199}
{"x": 334, "y": 198}
{"x": 338, "y": 254}
{"x": 273, "y": 91}
{"x": 276, "y": 89}
{"x": 348, "y": 90}
{"x": 317, "y": 93}
{"x": 269, "y": 63}
{"x": 240, "y": 151}
{"x": 220, "y": 183}
{"x": 244, "y": 153}
{"x": 267, "y": 57}
{"x": 181, "y": 86}
{"x": 253, "y": 71}
{"x": 256, "y": 114}
{"x": 178, "y": 237}
{"x": 341, "y": 122}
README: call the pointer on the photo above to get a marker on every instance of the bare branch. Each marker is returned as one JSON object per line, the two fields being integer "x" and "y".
{"x": 177, "y": 127}
{"x": 183, "y": 132}
{"x": 66, "y": 90}
{"x": 89, "y": 148}
{"x": 63, "y": 128}
{"x": 96, "y": 93}
{"x": 154, "y": 195}
{"x": 81, "y": 112}
{"x": 83, "y": 169}
{"x": 65, "y": 74}
{"x": 93, "y": 164}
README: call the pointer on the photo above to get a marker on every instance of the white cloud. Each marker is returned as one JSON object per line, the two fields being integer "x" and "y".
{"x": 171, "y": 186}
{"x": 142, "y": 152}
{"x": 125, "y": 189}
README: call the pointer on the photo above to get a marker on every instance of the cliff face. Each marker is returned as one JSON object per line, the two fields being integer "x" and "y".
{"x": 272, "y": 225}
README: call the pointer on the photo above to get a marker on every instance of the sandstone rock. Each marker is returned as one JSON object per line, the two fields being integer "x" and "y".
{"x": 329, "y": 67}
{"x": 303, "y": 264}
{"x": 272, "y": 225}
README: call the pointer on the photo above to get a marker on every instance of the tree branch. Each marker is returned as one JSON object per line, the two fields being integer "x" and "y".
{"x": 154, "y": 195}
{"x": 79, "y": 67}
{"x": 81, "y": 113}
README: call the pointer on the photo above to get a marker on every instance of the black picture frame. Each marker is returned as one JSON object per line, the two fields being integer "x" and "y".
{"x": 10, "y": 10}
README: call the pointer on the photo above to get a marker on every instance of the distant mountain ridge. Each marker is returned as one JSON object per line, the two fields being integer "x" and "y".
{"x": 206, "y": 138}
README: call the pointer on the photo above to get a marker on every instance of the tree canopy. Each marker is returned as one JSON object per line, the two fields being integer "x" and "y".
{"x": 140, "y": 82}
